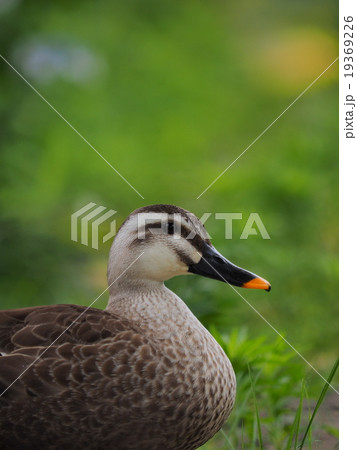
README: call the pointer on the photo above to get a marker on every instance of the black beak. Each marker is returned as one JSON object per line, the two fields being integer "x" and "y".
{"x": 214, "y": 265}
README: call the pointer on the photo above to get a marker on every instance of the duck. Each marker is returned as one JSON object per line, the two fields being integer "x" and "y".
{"x": 143, "y": 374}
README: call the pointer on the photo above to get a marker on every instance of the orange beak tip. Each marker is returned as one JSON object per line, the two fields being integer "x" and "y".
{"x": 257, "y": 283}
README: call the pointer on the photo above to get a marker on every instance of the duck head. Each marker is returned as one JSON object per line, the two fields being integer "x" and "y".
{"x": 166, "y": 241}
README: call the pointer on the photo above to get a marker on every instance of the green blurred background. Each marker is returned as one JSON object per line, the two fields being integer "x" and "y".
{"x": 170, "y": 93}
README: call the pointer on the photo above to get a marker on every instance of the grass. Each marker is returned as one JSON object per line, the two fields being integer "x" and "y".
{"x": 274, "y": 396}
{"x": 319, "y": 402}
{"x": 296, "y": 424}
{"x": 257, "y": 426}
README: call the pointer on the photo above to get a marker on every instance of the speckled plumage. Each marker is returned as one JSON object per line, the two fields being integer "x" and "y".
{"x": 106, "y": 384}
{"x": 144, "y": 374}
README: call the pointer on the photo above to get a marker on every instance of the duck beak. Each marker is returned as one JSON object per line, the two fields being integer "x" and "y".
{"x": 216, "y": 266}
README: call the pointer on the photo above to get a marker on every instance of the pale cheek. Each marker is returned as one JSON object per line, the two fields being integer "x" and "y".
{"x": 159, "y": 263}
{"x": 171, "y": 269}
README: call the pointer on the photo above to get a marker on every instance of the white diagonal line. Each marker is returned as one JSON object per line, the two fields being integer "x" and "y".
{"x": 271, "y": 326}
{"x": 266, "y": 129}
{"x": 70, "y": 125}
{"x": 69, "y": 326}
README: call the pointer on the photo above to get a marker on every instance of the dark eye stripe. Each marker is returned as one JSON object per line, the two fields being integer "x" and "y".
{"x": 196, "y": 240}
{"x": 184, "y": 258}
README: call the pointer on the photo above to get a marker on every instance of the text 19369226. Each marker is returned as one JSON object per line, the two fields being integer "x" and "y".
{"x": 348, "y": 60}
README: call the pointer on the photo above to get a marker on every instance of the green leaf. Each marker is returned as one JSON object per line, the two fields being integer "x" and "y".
{"x": 319, "y": 401}
{"x": 256, "y": 410}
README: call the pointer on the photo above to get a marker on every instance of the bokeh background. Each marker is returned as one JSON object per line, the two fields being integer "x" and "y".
{"x": 170, "y": 93}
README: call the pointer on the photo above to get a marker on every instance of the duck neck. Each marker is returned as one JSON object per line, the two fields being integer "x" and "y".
{"x": 154, "y": 308}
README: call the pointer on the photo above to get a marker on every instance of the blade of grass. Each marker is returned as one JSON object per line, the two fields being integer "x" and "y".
{"x": 310, "y": 415}
{"x": 296, "y": 424}
{"x": 230, "y": 445}
{"x": 331, "y": 430}
{"x": 254, "y": 437}
{"x": 319, "y": 401}
{"x": 239, "y": 411}
{"x": 256, "y": 410}
{"x": 236, "y": 415}
{"x": 299, "y": 415}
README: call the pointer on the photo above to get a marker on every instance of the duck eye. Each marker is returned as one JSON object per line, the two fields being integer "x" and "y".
{"x": 170, "y": 228}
